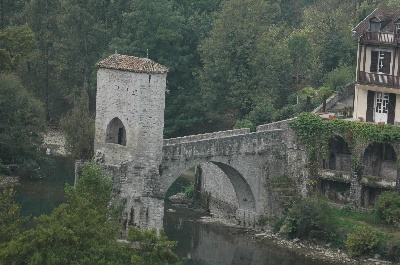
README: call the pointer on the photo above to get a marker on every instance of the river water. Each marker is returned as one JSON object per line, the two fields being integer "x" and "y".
{"x": 200, "y": 243}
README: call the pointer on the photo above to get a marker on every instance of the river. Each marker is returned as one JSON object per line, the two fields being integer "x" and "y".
{"x": 200, "y": 243}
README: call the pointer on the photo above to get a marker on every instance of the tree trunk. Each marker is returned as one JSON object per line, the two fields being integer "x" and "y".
{"x": 46, "y": 56}
{"x": 324, "y": 104}
{"x": 308, "y": 104}
{"x": 1, "y": 15}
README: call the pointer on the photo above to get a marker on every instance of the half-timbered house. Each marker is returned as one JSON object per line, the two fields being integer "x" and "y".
{"x": 377, "y": 90}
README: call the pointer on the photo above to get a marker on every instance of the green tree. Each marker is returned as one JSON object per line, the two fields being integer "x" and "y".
{"x": 22, "y": 121}
{"x": 82, "y": 231}
{"x": 228, "y": 79}
{"x": 78, "y": 232}
{"x": 78, "y": 128}
{"x": 153, "y": 247}
{"x": 10, "y": 221}
{"x": 301, "y": 53}
{"x": 324, "y": 92}
{"x": 159, "y": 30}
{"x": 15, "y": 42}
{"x": 338, "y": 78}
{"x": 329, "y": 31}
{"x": 308, "y": 93}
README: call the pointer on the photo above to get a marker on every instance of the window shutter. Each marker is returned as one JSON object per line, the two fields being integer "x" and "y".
{"x": 374, "y": 61}
{"x": 391, "y": 108}
{"x": 386, "y": 62}
{"x": 370, "y": 106}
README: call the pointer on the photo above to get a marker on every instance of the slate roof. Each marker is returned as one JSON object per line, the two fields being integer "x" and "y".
{"x": 388, "y": 17}
{"x": 132, "y": 64}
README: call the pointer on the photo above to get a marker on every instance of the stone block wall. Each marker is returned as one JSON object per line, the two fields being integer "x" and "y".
{"x": 138, "y": 101}
{"x": 206, "y": 136}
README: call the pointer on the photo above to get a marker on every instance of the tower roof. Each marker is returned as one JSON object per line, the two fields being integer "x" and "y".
{"x": 132, "y": 64}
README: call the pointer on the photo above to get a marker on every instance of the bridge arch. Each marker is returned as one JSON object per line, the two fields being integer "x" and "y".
{"x": 380, "y": 161}
{"x": 244, "y": 195}
{"x": 339, "y": 155}
{"x": 245, "y": 199}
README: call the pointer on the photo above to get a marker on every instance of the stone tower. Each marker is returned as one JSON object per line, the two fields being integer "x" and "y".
{"x": 129, "y": 124}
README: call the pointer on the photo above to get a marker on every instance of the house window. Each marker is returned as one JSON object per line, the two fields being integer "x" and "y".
{"x": 380, "y": 62}
{"x": 397, "y": 29}
{"x": 381, "y": 103}
{"x": 381, "y": 58}
{"x": 375, "y": 26}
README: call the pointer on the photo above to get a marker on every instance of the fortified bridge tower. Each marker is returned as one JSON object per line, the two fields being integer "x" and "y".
{"x": 128, "y": 141}
{"x": 234, "y": 169}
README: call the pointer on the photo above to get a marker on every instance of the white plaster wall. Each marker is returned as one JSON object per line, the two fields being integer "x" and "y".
{"x": 360, "y": 103}
{"x": 397, "y": 109}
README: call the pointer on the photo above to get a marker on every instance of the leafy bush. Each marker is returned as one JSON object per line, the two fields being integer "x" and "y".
{"x": 244, "y": 123}
{"x": 391, "y": 251}
{"x": 311, "y": 219}
{"x": 387, "y": 208}
{"x": 362, "y": 241}
{"x": 189, "y": 190}
{"x": 339, "y": 77}
{"x": 152, "y": 247}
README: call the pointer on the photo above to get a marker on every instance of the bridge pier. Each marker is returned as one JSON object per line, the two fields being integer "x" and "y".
{"x": 246, "y": 218}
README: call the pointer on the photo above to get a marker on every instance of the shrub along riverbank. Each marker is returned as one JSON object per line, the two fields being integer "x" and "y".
{"x": 370, "y": 233}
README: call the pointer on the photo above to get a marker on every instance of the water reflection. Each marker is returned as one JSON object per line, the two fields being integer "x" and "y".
{"x": 206, "y": 244}
{"x": 201, "y": 244}
{"x": 42, "y": 196}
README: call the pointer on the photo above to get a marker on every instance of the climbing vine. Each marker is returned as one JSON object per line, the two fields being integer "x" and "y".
{"x": 314, "y": 133}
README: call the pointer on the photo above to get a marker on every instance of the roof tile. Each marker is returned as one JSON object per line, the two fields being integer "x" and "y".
{"x": 387, "y": 15}
{"x": 132, "y": 64}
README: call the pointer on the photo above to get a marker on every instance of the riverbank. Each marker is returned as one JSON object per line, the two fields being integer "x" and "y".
{"x": 304, "y": 248}
{"x": 309, "y": 250}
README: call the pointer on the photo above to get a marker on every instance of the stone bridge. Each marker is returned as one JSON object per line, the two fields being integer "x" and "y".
{"x": 235, "y": 168}
{"x": 240, "y": 173}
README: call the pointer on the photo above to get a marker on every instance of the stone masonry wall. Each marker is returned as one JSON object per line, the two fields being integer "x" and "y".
{"x": 138, "y": 101}
{"x": 205, "y": 136}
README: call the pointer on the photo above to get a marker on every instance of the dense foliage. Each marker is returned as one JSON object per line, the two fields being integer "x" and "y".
{"x": 359, "y": 233}
{"x": 387, "y": 208}
{"x": 80, "y": 231}
{"x": 229, "y": 60}
{"x": 362, "y": 241}
{"x": 310, "y": 219}
{"x": 21, "y": 122}
{"x": 314, "y": 132}
{"x": 10, "y": 221}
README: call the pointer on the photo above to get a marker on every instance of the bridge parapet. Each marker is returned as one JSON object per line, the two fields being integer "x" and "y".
{"x": 206, "y": 136}
{"x": 285, "y": 124}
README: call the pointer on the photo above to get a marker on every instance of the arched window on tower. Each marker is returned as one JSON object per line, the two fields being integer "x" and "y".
{"x": 116, "y": 132}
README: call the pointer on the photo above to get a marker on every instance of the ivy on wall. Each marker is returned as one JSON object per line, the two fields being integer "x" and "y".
{"x": 314, "y": 133}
